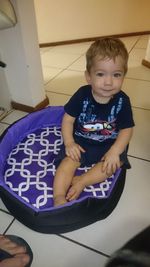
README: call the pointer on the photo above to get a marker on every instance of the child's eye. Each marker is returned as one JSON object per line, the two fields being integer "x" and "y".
{"x": 117, "y": 74}
{"x": 100, "y": 74}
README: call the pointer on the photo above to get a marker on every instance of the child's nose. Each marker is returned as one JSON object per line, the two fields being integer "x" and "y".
{"x": 108, "y": 80}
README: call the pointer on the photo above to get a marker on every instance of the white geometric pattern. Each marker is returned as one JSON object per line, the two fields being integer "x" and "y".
{"x": 29, "y": 170}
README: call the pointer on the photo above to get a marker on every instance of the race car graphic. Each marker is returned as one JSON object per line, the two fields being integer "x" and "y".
{"x": 102, "y": 127}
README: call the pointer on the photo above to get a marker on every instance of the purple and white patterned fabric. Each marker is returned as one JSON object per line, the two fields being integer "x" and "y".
{"x": 29, "y": 169}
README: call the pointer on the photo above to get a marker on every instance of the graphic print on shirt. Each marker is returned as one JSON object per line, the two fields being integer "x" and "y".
{"x": 91, "y": 125}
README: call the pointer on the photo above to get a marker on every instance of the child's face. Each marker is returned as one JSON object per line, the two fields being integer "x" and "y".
{"x": 106, "y": 78}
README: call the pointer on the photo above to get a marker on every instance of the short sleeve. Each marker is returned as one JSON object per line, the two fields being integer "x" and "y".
{"x": 125, "y": 116}
{"x": 74, "y": 105}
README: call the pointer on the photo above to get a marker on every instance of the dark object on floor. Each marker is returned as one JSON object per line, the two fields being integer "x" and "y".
{"x": 2, "y": 64}
{"x": 135, "y": 253}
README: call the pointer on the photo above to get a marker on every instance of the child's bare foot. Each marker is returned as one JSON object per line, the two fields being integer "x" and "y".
{"x": 76, "y": 188}
{"x": 59, "y": 200}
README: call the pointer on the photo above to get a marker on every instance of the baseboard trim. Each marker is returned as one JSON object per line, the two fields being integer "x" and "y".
{"x": 89, "y": 39}
{"x": 30, "y": 109}
{"x": 146, "y": 63}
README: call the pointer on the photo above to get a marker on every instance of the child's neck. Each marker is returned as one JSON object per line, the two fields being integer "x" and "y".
{"x": 101, "y": 100}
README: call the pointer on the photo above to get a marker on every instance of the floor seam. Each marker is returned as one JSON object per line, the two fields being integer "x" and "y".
{"x": 83, "y": 245}
{"x": 8, "y": 226}
{"x": 143, "y": 159}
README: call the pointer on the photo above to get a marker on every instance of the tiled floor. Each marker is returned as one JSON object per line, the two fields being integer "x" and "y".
{"x": 63, "y": 69}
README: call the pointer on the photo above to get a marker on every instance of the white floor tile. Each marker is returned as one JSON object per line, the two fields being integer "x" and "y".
{"x": 49, "y": 73}
{"x": 140, "y": 144}
{"x": 14, "y": 116}
{"x": 2, "y": 206}
{"x": 79, "y": 65}
{"x": 145, "y": 36}
{"x": 51, "y": 250}
{"x": 142, "y": 43}
{"x": 57, "y": 60}
{"x": 138, "y": 91}
{"x": 57, "y": 99}
{"x": 138, "y": 71}
{"x": 5, "y": 220}
{"x": 129, "y": 41}
{"x": 137, "y": 54}
{"x": 45, "y": 49}
{"x": 75, "y": 49}
{"x": 3, "y": 127}
{"x": 130, "y": 216}
{"x": 67, "y": 82}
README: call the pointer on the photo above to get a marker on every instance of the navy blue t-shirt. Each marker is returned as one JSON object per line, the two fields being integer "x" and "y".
{"x": 99, "y": 123}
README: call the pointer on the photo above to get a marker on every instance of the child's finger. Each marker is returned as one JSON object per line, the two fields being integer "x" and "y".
{"x": 81, "y": 149}
{"x": 70, "y": 194}
{"x": 104, "y": 165}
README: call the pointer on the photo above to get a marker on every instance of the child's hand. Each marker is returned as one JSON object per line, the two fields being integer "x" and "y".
{"x": 73, "y": 151}
{"x": 111, "y": 162}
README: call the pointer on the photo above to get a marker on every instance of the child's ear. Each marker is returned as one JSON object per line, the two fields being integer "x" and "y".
{"x": 87, "y": 77}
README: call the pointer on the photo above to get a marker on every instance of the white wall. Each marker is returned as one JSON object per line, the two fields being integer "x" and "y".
{"x": 147, "y": 55}
{"x": 20, "y": 50}
{"x": 5, "y": 97}
{"x": 61, "y": 20}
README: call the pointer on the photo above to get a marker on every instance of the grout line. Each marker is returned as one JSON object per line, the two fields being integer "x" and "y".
{"x": 5, "y": 123}
{"x": 5, "y": 211}
{"x": 75, "y": 61}
{"x": 65, "y": 68}
{"x": 82, "y": 245}
{"x": 8, "y": 226}
{"x": 57, "y": 93}
{"x": 136, "y": 79}
{"x": 147, "y": 109}
{"x": 147, "y": 160}
{"x": 134, "y": 44}
{"x": 54, "y": 77}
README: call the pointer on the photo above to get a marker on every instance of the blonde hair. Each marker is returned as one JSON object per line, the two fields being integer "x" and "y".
{"x": 107, "y": 48}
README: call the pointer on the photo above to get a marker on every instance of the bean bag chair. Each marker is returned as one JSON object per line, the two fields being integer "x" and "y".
{"x": 28, "y": 149}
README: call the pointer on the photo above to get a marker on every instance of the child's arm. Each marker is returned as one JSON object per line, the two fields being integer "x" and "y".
{"x": 72, "y": 149}
{"x": 111, "y": 158}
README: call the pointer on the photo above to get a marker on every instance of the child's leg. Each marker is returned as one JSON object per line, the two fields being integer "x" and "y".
{"x": 63, "y": 179}
{"x": 93, "y": 176}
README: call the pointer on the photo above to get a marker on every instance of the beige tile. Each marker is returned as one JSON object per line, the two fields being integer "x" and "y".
{"x": 75, "y": 49}
{"x": 52, "y": 250}
{"x": 57, "y": 99}
{"x": 142, "y": 43}
{"x": 45, "y": 49}
{"x": 2, "y": 206}
{"x": 146, "y": 36}
{"x": 140, "y": 143}
{"x": 137, "y": 55}
{"x": 3, "y": 127}
{"x": 57, "y": 60}
{"x": 138, "y": 71}
{"x": 79, "y": 65}
{"x": 130, "y": 42}
{"x": 129, "y": 217}
{"x": 67, "y": 82}
{"x": 138, "y": 91}
{"x": 6, "y": 219}
{"x": 14, "y": 116}
{"x": 49, "y": 73}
